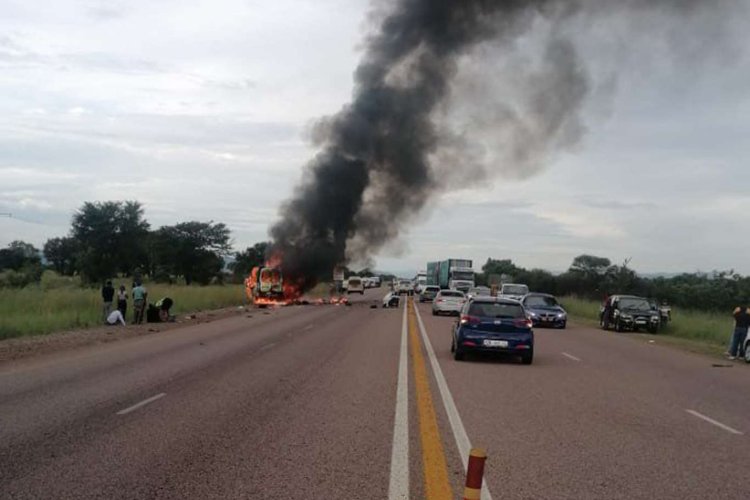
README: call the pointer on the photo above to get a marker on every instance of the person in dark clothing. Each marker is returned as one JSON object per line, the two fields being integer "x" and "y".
{"x": 159, "y": 312}
{"x": 108, "y": 294}
{"x": 122, "y": 300}
{"x": 741, "y": 324}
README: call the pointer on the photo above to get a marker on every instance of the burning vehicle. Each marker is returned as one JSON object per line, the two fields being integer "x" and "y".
{"x": 265, "y": 286}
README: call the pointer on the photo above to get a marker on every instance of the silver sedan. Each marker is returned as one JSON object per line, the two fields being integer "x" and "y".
{"x": 448, "y": 301}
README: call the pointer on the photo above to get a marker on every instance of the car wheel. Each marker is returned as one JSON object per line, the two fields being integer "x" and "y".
{"x": 653, "y": 329}
{"x": 528, "y": 357}
{"x": 453, "y": 344}
{"x": 564, "y": 325}
{"x": 459, "y": 355}
{"x": 618, "y": 326}
{"x": 603, "y": 323}
{"x": 434, "y": 312}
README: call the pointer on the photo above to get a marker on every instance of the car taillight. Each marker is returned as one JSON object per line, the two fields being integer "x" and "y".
{"x": 440, "y": 300}
{"x": 522, "y": 323}
{"x": 469, "y": 320}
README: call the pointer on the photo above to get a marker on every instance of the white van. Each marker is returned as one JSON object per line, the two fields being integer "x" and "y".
{"x": 355, "y": 285}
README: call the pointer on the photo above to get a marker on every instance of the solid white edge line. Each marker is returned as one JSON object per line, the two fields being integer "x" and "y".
{"x": 398, "y": 487}
{"x": 142, "y": 403}
{"x": 714, "y": 422}
{"x": 570, "y": 356}
{"x": 457, "y": 426}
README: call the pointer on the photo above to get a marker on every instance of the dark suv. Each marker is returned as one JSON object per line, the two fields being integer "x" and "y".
{"x": 627, "y": 312}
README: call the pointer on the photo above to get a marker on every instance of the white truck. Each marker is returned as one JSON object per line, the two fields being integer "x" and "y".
{"x": 420, "y": 281}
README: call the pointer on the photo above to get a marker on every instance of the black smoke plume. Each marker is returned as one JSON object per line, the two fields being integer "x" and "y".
{"x": 386, "y": 153}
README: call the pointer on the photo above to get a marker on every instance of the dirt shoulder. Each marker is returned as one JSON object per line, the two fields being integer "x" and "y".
{"x": 37, "y": 345}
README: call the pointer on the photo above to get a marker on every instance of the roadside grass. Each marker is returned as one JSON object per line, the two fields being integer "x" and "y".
{"x": 40, "y": 309}
{"x": 697, "y": 330}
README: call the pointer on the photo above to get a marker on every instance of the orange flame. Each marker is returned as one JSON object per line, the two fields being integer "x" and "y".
{"x": 290, "y": 291}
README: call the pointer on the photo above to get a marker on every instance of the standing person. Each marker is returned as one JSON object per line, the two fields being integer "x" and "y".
{"x": 122, "y": 300}
{"x": 139, "y": 302}
{"x": 741, "y": 324}
{"x": 108, "y": 293}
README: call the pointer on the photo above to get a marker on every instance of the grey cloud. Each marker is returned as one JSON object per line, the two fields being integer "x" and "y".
{"x": 105, "y": 11}
{"x": 619, "y": 205}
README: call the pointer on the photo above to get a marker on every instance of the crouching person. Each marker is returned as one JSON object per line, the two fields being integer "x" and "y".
{"x": 115, "y": 317}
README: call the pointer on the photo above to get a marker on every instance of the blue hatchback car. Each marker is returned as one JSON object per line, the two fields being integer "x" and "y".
{"x": 493, "y": 325}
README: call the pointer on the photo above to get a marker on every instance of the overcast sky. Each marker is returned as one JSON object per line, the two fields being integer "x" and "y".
{"x": 200, "y": 110}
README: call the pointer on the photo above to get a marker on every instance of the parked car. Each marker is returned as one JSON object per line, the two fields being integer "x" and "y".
{"x": 493, "y": 325}
{"x": 478, "y": 291}
{"x": 428, "y": 293}
{"x": 627, "y": 312}
{"x": 448, "y": 301}
{"x": 746, "y": 349}
{"x": 513, "y": 291}
{"x": 544, "y": 310}
{"x": 355, "y": 285}
{"x": 391, "y": 299}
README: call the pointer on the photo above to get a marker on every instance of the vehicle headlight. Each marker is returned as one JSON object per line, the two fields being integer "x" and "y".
{"x": 532, "y": 314}
{"x": 626, "y": 316}
{"x": 654, "y": 318}
{"x": 561, "y": 315}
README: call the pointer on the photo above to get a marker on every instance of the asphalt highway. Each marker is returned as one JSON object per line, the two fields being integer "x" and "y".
{"x": 322, "y": 402}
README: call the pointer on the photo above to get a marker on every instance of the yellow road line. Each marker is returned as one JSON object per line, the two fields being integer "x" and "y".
{"x": 437, "y": 486}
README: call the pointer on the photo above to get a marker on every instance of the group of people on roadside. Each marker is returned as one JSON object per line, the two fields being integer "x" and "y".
{"x": 741, "y": 325}
{"x": 115, "y": 316}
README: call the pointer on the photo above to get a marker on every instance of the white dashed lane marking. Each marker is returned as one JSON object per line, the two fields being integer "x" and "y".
{"x": 714, "y": 422}
{"x": 570, "y": 356}
{"x": 142, "y": 403}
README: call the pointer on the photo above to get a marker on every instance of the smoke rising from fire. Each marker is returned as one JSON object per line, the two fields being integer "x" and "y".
{"x": 419, "y": 120}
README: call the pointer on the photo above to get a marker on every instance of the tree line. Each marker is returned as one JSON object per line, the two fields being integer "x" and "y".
{"x": 113, "y": 238}
{"x": 595, "y": 277}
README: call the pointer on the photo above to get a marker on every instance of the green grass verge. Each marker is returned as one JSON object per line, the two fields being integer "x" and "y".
{"x": 38, "y": 309}
{"x": 697, "y": 328}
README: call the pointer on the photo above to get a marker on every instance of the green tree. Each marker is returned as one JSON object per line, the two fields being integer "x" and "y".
{"x": 20, "y": 264}
{"x": 249, "y": 258}
{"x": 495, "y": 270}
{"x": 193, "y": 250}
{"x": 19, "y": 254}
{"x": 112, "y": 238}
{"x": 61, "y": 253}
{"x": 590, "y": 265}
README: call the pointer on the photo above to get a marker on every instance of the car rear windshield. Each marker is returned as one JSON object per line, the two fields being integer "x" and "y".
{"x": 353, "y": 281}
{"x": 496, "y": 310}
{"x": 538, "y": 300}
{"x": 515, "y": 289}
{"x": 449, "y": 293}
{"x": 432, "y": 289}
